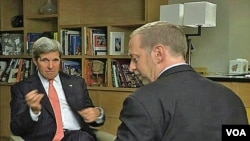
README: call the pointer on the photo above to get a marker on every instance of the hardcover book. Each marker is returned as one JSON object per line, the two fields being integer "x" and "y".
{"x": 13, "y": 76}
{"x": 10, "y": 66}
{"x": 75, "y": 47}
{"x": 99, "y": 42}
{"x": 26, "y": 68}
{"x": 20, "y": 70}
{"x": 65, "y": 40}
{"x": 3, "y": 66}
{"x": 31, "y": 38}
{"x": 132, "y": 80}
{"x": 71, "y": 67}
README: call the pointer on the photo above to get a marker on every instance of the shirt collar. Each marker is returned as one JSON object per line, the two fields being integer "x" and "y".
{"x": 57, "y": 79}
{"x": 178, "y": 64}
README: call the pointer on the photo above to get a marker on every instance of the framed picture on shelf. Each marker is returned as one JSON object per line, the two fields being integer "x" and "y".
{"x": 116, "y": 43}
{"x": 13, "y": 76}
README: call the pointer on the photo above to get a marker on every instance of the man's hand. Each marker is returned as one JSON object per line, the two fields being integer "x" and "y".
{"x": 90, "y": 114}
{"x": 33, "y": 99}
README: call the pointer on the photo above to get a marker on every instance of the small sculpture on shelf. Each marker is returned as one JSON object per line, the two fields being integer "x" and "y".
{"x": 98, "y": 73}
{"x": 17, "y": 21}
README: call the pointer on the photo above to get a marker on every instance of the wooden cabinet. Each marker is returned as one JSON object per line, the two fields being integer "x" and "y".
{"x": 111, "y": 101}
{"x": 4, "y": 110}
{"x": 124, "y": 12}
{"x": 242, "y": 89}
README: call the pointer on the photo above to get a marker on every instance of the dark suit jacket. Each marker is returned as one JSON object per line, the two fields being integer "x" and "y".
{"x": 180, "y": 106}
{"x": 21, "y": 123}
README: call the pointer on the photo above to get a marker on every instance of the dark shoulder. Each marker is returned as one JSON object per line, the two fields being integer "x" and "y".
{"x": 27, "y": 81}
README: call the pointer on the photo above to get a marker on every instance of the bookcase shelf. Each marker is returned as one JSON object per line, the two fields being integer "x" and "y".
{"x": 112, "y": 16}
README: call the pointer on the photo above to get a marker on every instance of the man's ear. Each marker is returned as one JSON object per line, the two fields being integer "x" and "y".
{"x": 34, "y": 61}
{"x": 158, "y": 53}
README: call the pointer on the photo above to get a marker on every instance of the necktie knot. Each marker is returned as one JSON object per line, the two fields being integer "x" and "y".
{"x": 51, "y": 82}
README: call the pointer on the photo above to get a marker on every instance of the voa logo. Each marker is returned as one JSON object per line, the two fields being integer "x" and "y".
{"x": 236, "y": 132}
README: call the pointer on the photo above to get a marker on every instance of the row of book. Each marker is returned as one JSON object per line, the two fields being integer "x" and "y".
{"x": 95, "y": 71}
{"x": 71, "y": 42}
{"x": 122, "y": 77}
{"x": 16, "y": 69}
{"x": 95, "y": 42}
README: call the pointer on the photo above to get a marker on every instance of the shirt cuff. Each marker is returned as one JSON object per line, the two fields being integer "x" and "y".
{"x": 100, "y": 118}
{"x": 34, "y": 116}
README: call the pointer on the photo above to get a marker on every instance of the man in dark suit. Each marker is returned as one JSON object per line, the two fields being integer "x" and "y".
{"x": 178, "y": 104}
{"x": 32, "y": 115}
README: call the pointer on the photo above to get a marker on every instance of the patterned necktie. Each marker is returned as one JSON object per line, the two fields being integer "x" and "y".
{"x": 57, "y": 111}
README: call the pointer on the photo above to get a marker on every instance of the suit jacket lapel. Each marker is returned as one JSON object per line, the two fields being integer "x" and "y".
{"x": 67, "y": 88}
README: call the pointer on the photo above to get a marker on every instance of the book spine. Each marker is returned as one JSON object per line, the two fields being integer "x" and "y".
{"x": 31, "y": 38}
{"x": 26, "y": 68}
{"x": 20, "y": 69}
{"x": 89, "y": 50}
{"x": 116, "y": 84}
{"x": 99, "y": 43}
{"x": 88, "y": 72}
{"x": 7, "y": 72}
{"x": 121, "y": 75}
{"x": 78, "y": 45}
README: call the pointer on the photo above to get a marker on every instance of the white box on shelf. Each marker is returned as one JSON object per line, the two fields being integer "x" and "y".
{"x": 238, "y": 66}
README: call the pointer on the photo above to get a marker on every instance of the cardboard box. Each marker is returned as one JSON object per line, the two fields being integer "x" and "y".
{"x": 238, "y": 66}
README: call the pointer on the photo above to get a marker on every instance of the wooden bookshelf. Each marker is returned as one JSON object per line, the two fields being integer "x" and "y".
{"x": 77, "y": 15}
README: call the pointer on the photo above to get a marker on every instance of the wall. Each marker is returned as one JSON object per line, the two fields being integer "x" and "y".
{"x": 230, "y": 39}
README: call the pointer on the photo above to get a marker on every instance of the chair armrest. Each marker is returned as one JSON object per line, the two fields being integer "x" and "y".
{"x": 104, "y": 136}
{"x": 15, "y": 138}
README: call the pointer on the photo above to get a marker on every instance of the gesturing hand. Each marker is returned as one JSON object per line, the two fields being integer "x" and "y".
{"x": 89, "y": 114}
{"x": 33, "y": 99}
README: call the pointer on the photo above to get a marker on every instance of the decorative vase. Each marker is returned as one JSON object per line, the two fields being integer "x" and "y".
{"x": 48, "y": 8}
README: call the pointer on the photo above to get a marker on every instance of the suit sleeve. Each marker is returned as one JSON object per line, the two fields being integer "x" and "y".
{"x": 21, "y": 121}
{"x": 89, "y": 103}
{"x": 136, "y": 123}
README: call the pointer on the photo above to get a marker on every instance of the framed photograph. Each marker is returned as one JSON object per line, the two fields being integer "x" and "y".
{"x": 116, "y": 43}
{"x": 13, "y": 76}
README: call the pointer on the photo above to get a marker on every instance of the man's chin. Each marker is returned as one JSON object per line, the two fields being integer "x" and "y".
{"x": 144, "y": 80}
